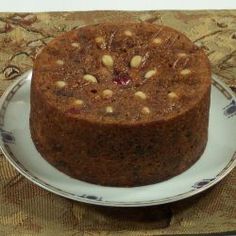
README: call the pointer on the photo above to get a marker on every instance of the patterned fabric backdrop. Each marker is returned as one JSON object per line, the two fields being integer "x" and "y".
{"x": 26, "y": 209}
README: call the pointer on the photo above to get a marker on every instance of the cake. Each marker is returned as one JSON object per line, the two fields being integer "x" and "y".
{"x": 121, "y": 104}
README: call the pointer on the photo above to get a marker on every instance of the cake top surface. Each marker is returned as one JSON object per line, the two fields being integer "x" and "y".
{"x": 133, "y": 72}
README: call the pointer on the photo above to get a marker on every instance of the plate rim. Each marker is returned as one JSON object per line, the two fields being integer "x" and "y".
{"x": 41, "y": 183}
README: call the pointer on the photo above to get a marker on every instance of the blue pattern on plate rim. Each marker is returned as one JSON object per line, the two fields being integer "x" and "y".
{"x": 33, "y": 177}
{"x": 7, "y": 136}
{"x": 230, "y": 109}
{"x": 202, "y": 183}
{"x": 92, "y": 197}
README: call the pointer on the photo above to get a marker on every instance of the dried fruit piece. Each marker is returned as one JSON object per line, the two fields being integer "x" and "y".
{"x": 60, "y": 84}
{"x": 185, "y": 71}
{"x": 60, "y": 62}
{"x": 107, "y": 93}
{"x": 145, "y": 110}
{"x": 150, "y": 73}
{"x": 109, "y": 109}
{"x": 140, "y": 94}
{"x": 122, "y": 79}
{"x": 107, "y": 60}
{"x": 90, "y": 78}
{"x": 135, "y": 61}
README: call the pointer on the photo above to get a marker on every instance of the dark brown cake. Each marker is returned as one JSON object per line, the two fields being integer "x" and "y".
{"x": 121, "y": 104}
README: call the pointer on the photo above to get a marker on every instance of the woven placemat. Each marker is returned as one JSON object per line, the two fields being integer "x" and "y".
{"x": 26, "y": 209}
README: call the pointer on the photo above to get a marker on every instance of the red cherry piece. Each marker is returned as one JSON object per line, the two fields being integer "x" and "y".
{"x": 122, "y": 79}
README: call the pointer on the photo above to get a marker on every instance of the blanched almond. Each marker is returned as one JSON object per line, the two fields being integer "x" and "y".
{"x": 157, "y": 40}
{"x": 150, "y": 73}
{"x": 182, "y": 54}
{"x": 76, "y": 45}
{"x": 172, "y": 95}
{"x": 145, "y": 110}
{"x": 107, "y": 93}
{"x": 60, "y": 62}
{"x": 90, "y": 78}
{"x": 135, "y": 61}
{"x": 109, "y": 109}
{"x": 128, "y": 33}
{"x": 107, "y": 60}
{"x": 185, "y": 72}
{"x": 140, "y": 94}
{"x": 99, "y": 39}
{"x": 78, "y": 102}
{"x": 60, "y": 84}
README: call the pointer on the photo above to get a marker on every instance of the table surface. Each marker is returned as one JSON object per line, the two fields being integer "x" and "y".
{"x": 26, "y": 209}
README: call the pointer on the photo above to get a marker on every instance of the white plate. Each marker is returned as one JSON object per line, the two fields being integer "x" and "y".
{"x": 216, "y": 162}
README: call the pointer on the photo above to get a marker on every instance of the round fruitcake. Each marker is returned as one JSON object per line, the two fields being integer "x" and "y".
{"x": 121, "y": 104}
